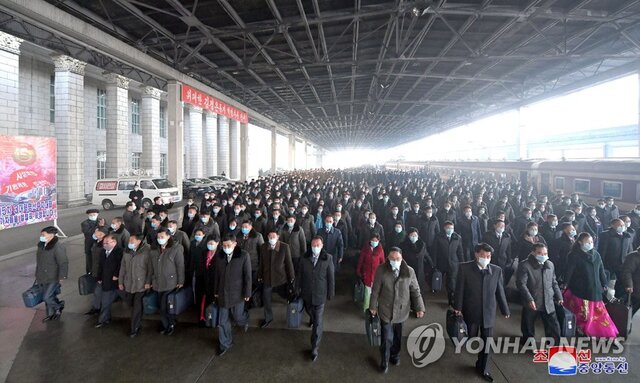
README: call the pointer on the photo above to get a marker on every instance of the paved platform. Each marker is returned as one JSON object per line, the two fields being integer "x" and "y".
{"x": 72, "y": 350}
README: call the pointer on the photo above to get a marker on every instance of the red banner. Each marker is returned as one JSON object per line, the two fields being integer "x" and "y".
{"x": 27, "y": 180}
{"x": 204, "y": 101}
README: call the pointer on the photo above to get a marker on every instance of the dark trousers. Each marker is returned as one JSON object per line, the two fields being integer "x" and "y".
{"x": 108, "y": 296}
{"x": 391, "y": 342}
{"x": 199, "y": 291}
{"x": 135, "y": 300}
{"x": 316, "y": 312}
{"x": 166, "y": 318}
{"x": 475, "y": 329}
{"x": 550, "y": 321}
{"x": 450, "y": 285}
{"x": 296, "y": 262}
{"x": 225, "y": 333}
{"x": 88, "y": 258}
{"x": 267, "y": 292}
{"x": 50, "y": 293}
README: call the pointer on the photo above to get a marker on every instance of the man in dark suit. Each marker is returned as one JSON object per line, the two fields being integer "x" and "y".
{"x": 316, "y": 281}
{"x": 479, "y": 290}
{"x": 107, "y": 276}
{"x": 447, "y": 255}
{"x": 88, "y": 227}
{"x": 501, "y": 242}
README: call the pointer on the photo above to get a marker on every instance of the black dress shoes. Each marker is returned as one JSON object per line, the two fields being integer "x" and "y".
{"x": 265, "y": 324}
{"x": 92, "y": 312}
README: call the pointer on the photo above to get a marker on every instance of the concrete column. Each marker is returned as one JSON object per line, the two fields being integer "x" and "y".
{"x": 244, "y": 151}
{"x": 306, "y": 154}
{"x": 274, "y": 147}
{"x": 69, "y": 125}
{"x": 292, "y": 152}
{"x": 150, "y": 123}
{"x": 223, "y": 145}
{"x": 234, "y": 153}
{"x": 639, "y": 119}
{"x": 196, "y": 161}
{"x": 10, "y": 89}
{"x": 175, "y": 115}
{"x": 117, "y": 124}
{"x": 211, "y": 143}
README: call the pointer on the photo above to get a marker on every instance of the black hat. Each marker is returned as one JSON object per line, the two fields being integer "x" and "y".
{"x": 92, "y": 211}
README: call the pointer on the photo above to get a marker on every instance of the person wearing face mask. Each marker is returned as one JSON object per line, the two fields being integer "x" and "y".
{"x": 502, "y": 243}
{"x": 307, "y": 223}
{"x": 275, "y": 272}
{"x": 88, "y": 227}
{"x": 415, "y": 217}
{"x": 520, "y": 224}
{"x": 259, "y": 221}
{"x": 158, "y": 205}
{"x": 129, "y": 218}
{"x": 550, "y": 230}
{"x": 414, "y": 252}
{"x": 276, "y": 222}
{"x": 592, "y": 225}
{"x": 293, "y": 235}
{"x": 630, "y": 277}
{"x": 447, "y": 214}
{"x": 119, "y": 232}
{"x": 332, "y": 242}
{"x": 315, "y": 280}
{"x": 52, "y": 267}
{"x": 190, "y": 220}
{"x": 231, "y": 289}
{"x": 586, "y": 281}
{"x": 613, "y": 247}
{"x": 371, "y": 256}
{"x": 250, "y": 241}
{"x": 133, "y": 278}
{"x": 397, "y": 236}
{"x": 469, "y": 229}
{"x": 391, "y": 219}
{"x": 394, "y": 293}
{"x": 203, "y": 249}
{"x": 430, "y": 228}
{"x": 479, "y": 291}
{"x": 207, "y": 224}
{"x": 560, "y": 248}
{"x": 136, "y": 196}
{"x": 371, "y": 226}
{"x": 167, "y": 274}
{"x": 634, "y": 215}
{"x": 341, "y": 224}
{"x": 318, "y": 218}
{"x": 536, "y": 281}
{"x": 610, "y": 210}
{"x": 525, "y": 244}
{"x": 447, "y": 255}
{"x": 96, "y": 251}
{"x": 152, "y": 230}
{"x": 107, "y": 276}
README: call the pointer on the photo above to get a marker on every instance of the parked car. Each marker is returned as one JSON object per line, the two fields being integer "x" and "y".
{"x": 110, "y": 192}
{"x": 220, "y": 181}
{"x": 192, "y": 187}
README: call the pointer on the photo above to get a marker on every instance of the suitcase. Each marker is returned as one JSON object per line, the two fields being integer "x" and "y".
{"x": 567, "y": 321}
{"x": 86, "y": 284}
{"x": 211, "y": 315}
{"x": 33, "y": 296}
{"x": 456, "y": 327}
{"x": 373, "y": 328}
{"x": 294, "y": 313}
{"x": 150, "y": 303}
{"x": 179, "y": 300}
{"x": 358, "y": 291}
{"x": 436, "y": 280}
{"x": 622, "y": 315}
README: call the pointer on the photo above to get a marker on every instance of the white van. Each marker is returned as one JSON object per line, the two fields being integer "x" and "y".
{"x": 110, "y": 192}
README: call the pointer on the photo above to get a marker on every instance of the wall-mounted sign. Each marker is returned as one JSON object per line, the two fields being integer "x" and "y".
{"x": 204, "y": 101}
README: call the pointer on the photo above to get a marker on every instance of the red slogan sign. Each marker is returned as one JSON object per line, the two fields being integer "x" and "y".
{"x": 204, "y": 101}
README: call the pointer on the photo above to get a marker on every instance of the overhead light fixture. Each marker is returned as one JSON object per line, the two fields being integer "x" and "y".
{"x": 416, "y": 12}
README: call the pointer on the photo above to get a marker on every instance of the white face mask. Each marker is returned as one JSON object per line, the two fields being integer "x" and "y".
{"x": 273, "y": 241}
{"x": 395, "y": 264}
{"x": 483, "y": 262}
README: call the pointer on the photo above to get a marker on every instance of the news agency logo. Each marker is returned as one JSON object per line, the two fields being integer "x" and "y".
{"x": 426, "y": 344}
{"x": 569, "y": 360}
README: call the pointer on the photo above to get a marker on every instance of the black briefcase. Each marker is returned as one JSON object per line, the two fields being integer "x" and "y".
{"x": 86, "y": 284}
{"x": 456, "y": 327}
{"x": 621, "y": 314}
{"x": 374, "y": 329}
{"x": 567, "y": 321}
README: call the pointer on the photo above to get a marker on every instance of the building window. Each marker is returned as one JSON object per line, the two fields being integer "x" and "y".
{"x": 163, "y": 123}
{"x": 163, "y": 164}
{"x": 102, "y": 165}
{"x": 135, "y": 160}
{"x": 135, "y": 116}
{"x": 102, "y": 109}
{"x": 559, "y": 183}
{"x": 582, "y": 186}
{"x": 612, "y": 189}
{"x": 52, "y": 98}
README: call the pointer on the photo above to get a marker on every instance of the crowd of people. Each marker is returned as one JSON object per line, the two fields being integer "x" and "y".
{"x": 293, "y": 232}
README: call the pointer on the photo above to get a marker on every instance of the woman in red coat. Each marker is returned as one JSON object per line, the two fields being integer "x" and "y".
{"x": 371, "y": 256}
